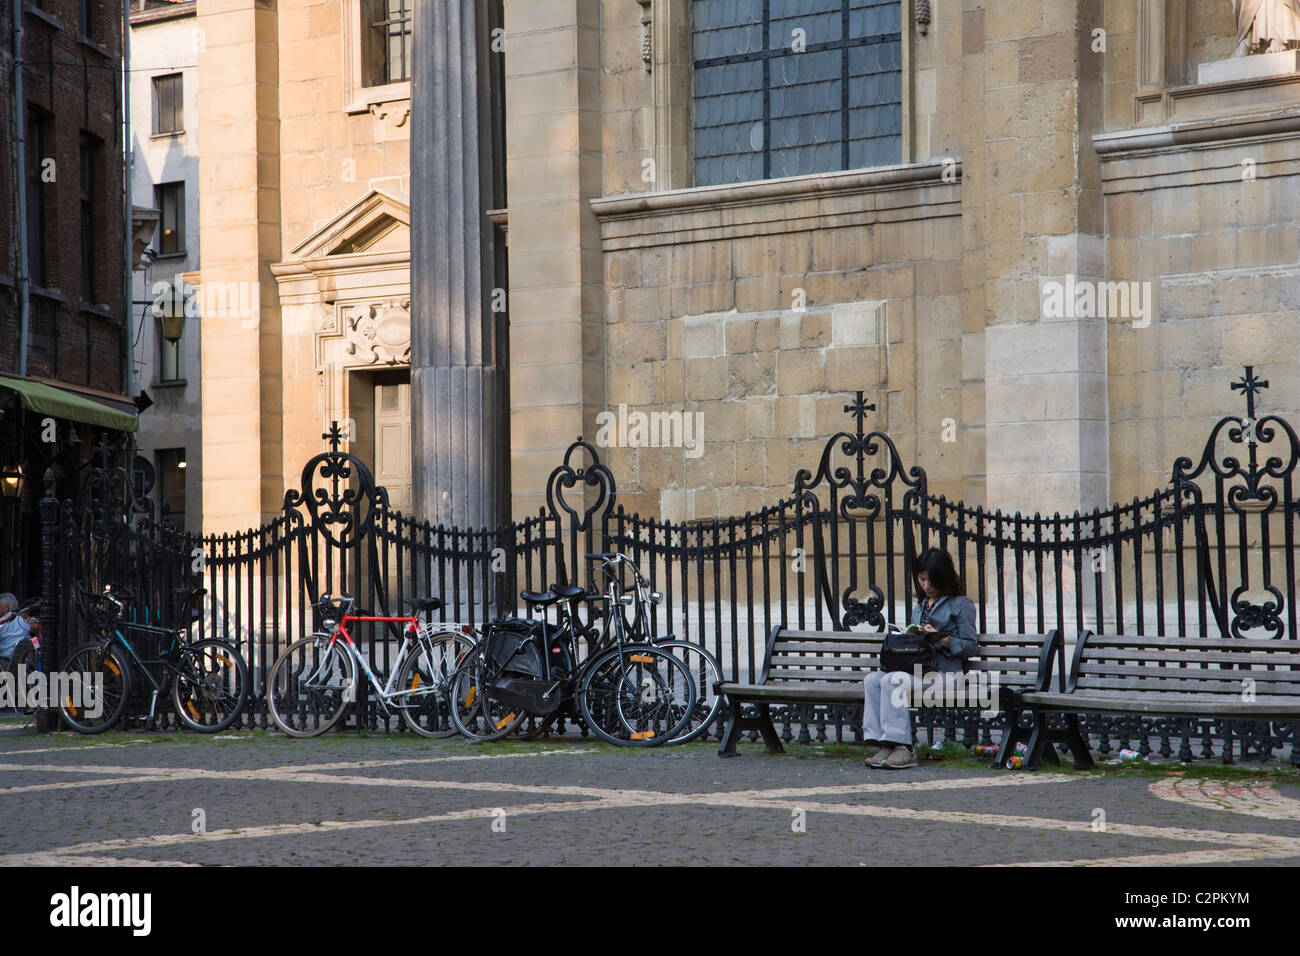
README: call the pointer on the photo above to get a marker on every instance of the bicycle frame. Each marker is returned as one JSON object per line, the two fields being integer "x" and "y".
{"x": 415, "y": 633}
{"x": 167, "y": 658}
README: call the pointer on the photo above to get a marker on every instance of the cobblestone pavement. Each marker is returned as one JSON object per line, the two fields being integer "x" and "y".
{"x": 344, "y": 799}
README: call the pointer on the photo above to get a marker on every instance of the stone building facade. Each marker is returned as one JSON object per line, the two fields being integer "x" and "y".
{"x": 745, "y": 211}
{"x": 304, "y": 281}
{"x": 1044, "y": 142}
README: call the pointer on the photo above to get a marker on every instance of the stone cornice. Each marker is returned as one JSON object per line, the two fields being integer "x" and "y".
{"x": 343, "y": 264}
{"x": 907, "y": 191}
{"x": 1241, "y": 128}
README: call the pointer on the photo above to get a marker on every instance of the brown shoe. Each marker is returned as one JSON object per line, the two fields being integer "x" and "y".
{"x": 878, "y": 759}
{"x": 901, "y": 759}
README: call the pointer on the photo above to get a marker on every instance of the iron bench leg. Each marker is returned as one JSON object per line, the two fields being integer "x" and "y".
{"x": 737, "y": 725}
{"x": 732, "y": 734}
{"x": 1077, "y": 743}
{"x": 768, "y": 730}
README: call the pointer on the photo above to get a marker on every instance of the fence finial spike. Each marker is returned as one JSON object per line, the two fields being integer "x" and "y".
{"x": 1249, "y": 385}
{"x": 334, "y": 436}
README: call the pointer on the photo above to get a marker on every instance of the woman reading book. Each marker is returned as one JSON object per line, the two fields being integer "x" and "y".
{"x": 944, "y": 611}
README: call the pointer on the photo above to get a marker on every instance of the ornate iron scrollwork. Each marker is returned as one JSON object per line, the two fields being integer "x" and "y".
{"x": 858, "y": 502}
{"x": 1246, "y": 492}
{"x": 595, "y": 476}
{"x": 344, "y": 514}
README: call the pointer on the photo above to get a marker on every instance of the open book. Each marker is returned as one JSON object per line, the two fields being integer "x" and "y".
{"x": 915, "y": 629}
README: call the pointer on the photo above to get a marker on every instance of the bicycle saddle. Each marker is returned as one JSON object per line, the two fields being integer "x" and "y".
{"x": 420, "y": 605}
{"x": 538, "y": 598}
{"x": 566, "y": 591}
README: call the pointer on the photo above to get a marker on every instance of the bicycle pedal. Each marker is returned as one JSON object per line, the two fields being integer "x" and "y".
{"x": 641, "y": 658}
{"x": 643, "y": 735}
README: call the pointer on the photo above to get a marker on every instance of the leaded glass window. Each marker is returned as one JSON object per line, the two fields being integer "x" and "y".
{"x": 791, "y": 87}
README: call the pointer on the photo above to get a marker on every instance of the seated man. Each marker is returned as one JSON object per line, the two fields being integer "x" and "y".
{"x": 15, "y": 627}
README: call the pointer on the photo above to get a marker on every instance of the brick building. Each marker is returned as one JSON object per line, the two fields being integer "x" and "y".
{"x": 62, "y": 309}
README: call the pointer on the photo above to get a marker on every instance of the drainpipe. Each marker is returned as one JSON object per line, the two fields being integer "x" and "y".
{"x": 20, "y": 137}
{"x": 128, "y": 172}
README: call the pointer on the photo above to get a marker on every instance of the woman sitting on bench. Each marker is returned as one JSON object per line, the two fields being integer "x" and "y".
{"x": 944, "y": 608}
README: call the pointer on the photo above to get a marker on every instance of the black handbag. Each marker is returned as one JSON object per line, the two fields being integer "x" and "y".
{"x": 904, "y": 650}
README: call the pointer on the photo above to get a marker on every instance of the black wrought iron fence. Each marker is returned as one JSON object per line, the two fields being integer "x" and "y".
{"x": 1211, "y": 554}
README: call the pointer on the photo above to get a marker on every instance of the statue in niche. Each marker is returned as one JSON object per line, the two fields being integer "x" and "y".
{"x": 1266, "y": 26}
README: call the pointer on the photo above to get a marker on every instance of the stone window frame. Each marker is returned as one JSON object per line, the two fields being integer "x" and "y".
{"x": 357, "y": 97}
{"x": 666, "y": 55}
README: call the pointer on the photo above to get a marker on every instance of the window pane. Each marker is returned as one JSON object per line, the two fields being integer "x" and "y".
{"x": 168, "y": 103}
{"x": 778, "y": 104}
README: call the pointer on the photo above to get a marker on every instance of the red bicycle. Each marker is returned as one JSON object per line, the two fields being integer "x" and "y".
{"x": 314, "y": 680}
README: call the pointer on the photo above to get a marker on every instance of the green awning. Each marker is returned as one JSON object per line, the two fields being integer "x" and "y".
{"x": 48, "y": 400}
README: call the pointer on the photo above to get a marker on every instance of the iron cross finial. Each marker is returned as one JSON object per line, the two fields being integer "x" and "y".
{"x": 333, "y": 436}
{"x": 859, "y": 410}
{"x": 1250, "y": 384}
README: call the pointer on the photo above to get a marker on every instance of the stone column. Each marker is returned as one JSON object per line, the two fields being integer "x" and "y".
{"x": 1038, "y": 219}
{"x": 458, "y": 428}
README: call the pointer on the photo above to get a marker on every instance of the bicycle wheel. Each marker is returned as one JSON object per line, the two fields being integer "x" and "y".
{"x": 424, "y": 686}
{"x": 636, "y": 696}
{"x": 210, "y": 691}
{"x": 476, "y": 714}
{"x": 100, "y": 674}
{"x": 310, "y": 686}
{"x": 705, "y": 671}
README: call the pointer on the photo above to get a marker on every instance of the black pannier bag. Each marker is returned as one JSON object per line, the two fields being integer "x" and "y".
{"x": 514, "y": 652}
{"x": 513, "y": 647}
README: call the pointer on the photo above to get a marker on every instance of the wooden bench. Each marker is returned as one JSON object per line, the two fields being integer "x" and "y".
{"x": 1168, "y": 676}
{"x": 827, "y": 667}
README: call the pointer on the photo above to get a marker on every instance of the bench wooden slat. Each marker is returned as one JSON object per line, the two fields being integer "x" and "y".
{"x": 1205, "y": 643}
{"x": 863, "y": 647}
{"x": 1192, "y": 705}
{"x": 1194, "y": 656}
{"x": 783, "y": 660}
{"x": 813, "y": 693}
{"x": 1230, "y": 688}
{"x": 779, "y": 674}
{"x": 1141, "y": 671}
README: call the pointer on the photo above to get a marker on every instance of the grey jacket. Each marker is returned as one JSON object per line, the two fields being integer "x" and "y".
{"x": 956, "y": 616}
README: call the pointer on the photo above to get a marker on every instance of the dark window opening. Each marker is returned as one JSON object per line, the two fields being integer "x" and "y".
{"x": 90, "y": 158}
{"x": 386, "y": 41}
{"x": 38, "y": 140}
{"x": 168, "y": 104}
{"x": 171, "y": 483}
{"x": 170, "y": 198}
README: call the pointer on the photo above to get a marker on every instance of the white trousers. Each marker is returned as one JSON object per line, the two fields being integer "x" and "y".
{"x": 883, "y": 718}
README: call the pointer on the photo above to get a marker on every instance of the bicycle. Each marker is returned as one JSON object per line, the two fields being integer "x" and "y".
{"x": 627, "y": 693}
{"x": 207, "y": 679}
{"x": 704, "y": 668}
{"x": 314, "y": 679}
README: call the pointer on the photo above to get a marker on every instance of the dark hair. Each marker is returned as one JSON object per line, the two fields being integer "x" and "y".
{"x": 936, "y": 564}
